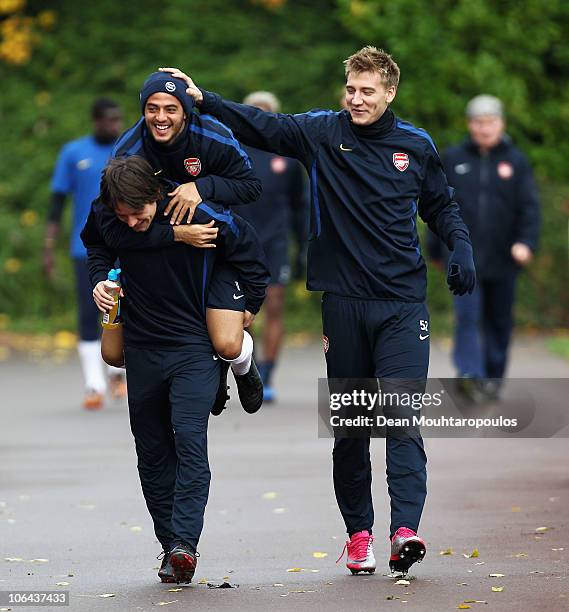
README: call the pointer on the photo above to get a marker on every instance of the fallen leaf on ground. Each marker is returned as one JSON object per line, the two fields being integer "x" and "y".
{"x": 473, "y": 555}
{"x": 175, "y": 590}
{"x": 516, "y": 509}
{"x": 105, "y": 595}
{"x": 403, "y": 582}
{"x": 269, "y": 495}
{"x": 13, "y": 559}
{"x": 166, "y": 603}
{"x": 278, "y": 584}
{"x": 39, "y": 560}
{"x": 322, "y": 555}
{"x": 520, "y": 555}
{"x": 542, "y": 529}
{"x": 448, "y": 551}
{"x": 62, "y": 584}
{"x": 203, "y": 581}
{"x": 496, "y": 589}
{"x": 136, "y": 529}
{"x": 480, "y": 563}
{"x": 496, "y": 575}
{"x": 314, "y": 571}
{"x": 295, "y": 569}
{"x": 463, "y": 607}
{"x": 556, "y": 549}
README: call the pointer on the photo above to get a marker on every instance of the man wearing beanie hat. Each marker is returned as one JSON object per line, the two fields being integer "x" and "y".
{"x": 499, "y": 203}
{"x": 200, "y": 155}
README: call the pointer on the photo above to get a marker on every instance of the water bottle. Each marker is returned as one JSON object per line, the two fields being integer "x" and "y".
{"x": 112, "y": 318}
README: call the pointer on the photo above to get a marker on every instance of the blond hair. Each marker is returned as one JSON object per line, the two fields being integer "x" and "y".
{"x": 371, "y": 59}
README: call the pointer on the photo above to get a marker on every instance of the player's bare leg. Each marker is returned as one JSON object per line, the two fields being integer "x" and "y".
{"x": 235, "y": 348}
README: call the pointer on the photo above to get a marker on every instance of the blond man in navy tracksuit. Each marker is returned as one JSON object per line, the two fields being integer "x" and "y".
{"x": 370, "y": 173}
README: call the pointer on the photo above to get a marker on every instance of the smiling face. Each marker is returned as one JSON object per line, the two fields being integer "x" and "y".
{"x": 164, "y": 117}
{"x": 367, "y": 97}
{"x": 138, "y": 219}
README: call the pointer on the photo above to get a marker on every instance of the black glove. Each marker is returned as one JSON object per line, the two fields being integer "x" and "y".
{"x": 461, "y": 277}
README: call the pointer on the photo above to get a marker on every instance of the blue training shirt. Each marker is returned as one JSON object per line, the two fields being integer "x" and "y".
{"x": 78, "y": 172}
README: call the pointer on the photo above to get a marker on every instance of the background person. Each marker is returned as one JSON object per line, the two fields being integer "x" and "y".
{"x": 78, "y": 172}
{"x": 499, "y": 204}
{"x": 283, "y": 206}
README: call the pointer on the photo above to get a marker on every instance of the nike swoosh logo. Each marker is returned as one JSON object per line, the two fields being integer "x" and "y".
{"x": 215, "y": 357}
{"x": 421, "y": 337}
{"x": 342, "y": 148}
{"x": 237, "y": 297}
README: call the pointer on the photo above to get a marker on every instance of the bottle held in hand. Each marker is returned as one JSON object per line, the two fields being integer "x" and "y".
{"x": 112, "y": 318}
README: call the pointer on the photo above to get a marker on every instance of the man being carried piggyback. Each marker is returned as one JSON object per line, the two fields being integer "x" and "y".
{"x": 204, "y": 162}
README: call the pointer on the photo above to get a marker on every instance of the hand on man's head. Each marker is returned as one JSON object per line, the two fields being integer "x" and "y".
{"x": 192, "y": 87}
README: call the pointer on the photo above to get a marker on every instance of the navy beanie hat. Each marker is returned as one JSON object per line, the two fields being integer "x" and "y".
{"x": 163, "y": 82}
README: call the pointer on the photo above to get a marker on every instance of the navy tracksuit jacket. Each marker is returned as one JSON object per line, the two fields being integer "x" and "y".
{"x": 281, "y": 209}
{"x": 499, "y": 203}
{"x": 367, "y": 185}
{"x": 172, "y": 372}
{"x": 206, "y": 153}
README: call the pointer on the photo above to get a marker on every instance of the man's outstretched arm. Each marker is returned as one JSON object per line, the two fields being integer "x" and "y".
{"x": 295, "y": 136}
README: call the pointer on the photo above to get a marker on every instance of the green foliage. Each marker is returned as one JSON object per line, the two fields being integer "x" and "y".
{"x": 451, "y": 50}
{"x": 448, "y": 52}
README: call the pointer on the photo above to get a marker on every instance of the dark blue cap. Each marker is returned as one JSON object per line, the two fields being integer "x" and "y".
{"x": 163, "y": 82}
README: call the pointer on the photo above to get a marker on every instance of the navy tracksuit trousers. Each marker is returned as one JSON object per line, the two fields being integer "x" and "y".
{"x": 483, "y": 328}
{"x": 386, "y": 340}
{"x": 170, "y": 394}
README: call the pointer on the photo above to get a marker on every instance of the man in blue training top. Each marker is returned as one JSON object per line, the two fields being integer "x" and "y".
{"x": 78, "y": 172}
{"x": 370, "y": 174}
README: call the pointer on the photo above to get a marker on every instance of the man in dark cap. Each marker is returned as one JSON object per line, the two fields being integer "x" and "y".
{"x": 200, "y": 155}
{"x": 499, "y": 203}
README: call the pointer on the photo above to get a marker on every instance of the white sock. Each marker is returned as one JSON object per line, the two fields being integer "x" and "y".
{"x": 92, "y": 365}
{"x": 112, "y": 371}
{"x": 241, "y": 364}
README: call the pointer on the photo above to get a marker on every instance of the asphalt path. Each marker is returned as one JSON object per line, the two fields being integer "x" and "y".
{"x": 72, "y": 516}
